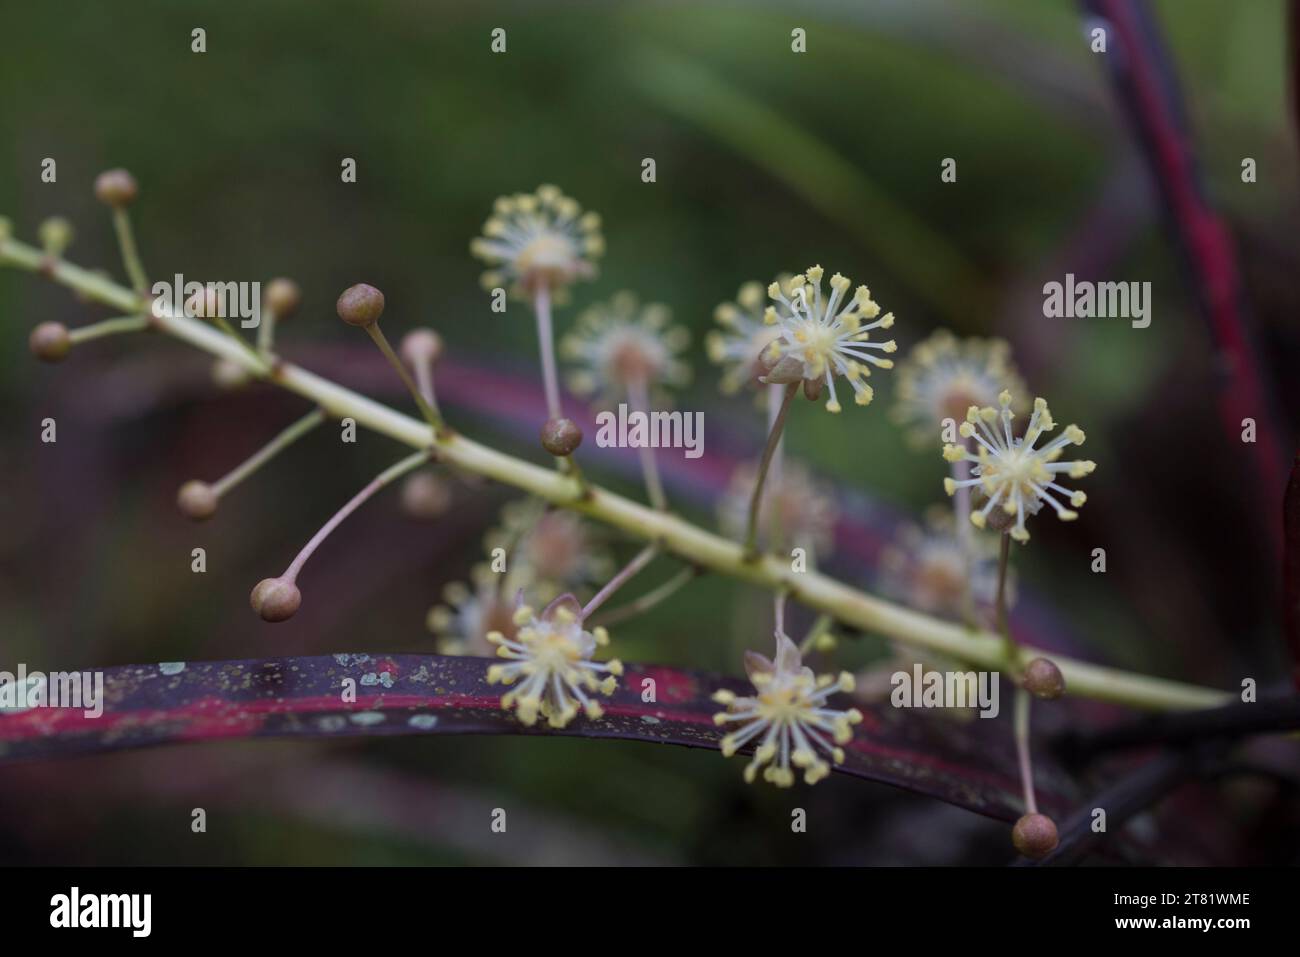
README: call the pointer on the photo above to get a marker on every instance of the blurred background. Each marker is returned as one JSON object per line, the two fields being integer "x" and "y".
{"x": 767, "y": 161}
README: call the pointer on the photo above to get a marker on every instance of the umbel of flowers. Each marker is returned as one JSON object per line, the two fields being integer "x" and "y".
{"x": 811, "y": 336}
{"x": 550, "y": 658}
{"x": 787, "y": 719}
{"x": 1011, "y": 471}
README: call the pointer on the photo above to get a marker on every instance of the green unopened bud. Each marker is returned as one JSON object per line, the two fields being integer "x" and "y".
{"x": 55, "y": 235}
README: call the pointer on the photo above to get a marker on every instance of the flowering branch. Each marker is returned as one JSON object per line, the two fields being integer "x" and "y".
{"x": 670, "y": 532}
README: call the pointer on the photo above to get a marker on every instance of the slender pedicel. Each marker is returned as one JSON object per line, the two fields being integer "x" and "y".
{"x": 207, "y": 305}
{"x": 276, "y": 599}
{"x": 546, "y": 345}
{"x": 1003, "y": 622}
{"x": 117, "y": 189}
{"x": 965, "y": 536}
{"x": 650, "y": 599}
{"x": 639, "y": 400}
{"x": 280, "y": 300}
{"x": 55, "y": 235}
{"x": 1034, "y": 834}
{"x": 819, "y": 637}
{"x": 422, "y": 348}
{"x": 52, "y": 341}
{"x": 773, "y": 440}
{"x": 199, "y": 500}
{"x": 642, "y": 559}
{"x": 362, "y": 305}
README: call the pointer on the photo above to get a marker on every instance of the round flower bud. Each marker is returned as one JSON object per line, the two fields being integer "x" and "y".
{"x": 116, "y": 188}
{"x": 1034, "y": 836}
{"x": 228, "y": 374}
{"x": 55, "y": 235}
{"x": 197, "y": 500}
{"x": 361, "y": 305}
{"x": 275, "y": 599}
{"x": 283, "y": 297}
{"x": 424, "y": 495}
{"x": 50, "y": 342}
{"x": 420, "y": 346}
{"x": 1044, "y": 680}
{"x": 561, "y": 437}
{"x": 204, "y": 305}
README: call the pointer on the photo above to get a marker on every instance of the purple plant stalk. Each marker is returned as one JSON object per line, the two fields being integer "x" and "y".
{"x": 1148, "y": 93}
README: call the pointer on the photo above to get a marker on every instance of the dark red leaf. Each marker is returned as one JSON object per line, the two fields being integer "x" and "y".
{"x": 967, "y": 763}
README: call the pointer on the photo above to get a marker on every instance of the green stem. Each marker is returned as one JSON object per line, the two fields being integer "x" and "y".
{"x": 108, "y": 327}
{"x": 260, "y": 365}
{"x": 1023, "y": 758}
{"x": 266, "y": 333}
{"x": 773, "y": 440}
{"x": 1003, "y": 618}
{"x": 638, "y": 394}
{"x": 385, "y": 477}
{"x": 649, "y": 600}
{"x": 269, "y": 451}
{"x": 672, "y": 533}
{"x": 426, "y": 410}
{"x": 819, "y": 627}
{"x": 642, "y": 559}
{"x": 130, "y": 254}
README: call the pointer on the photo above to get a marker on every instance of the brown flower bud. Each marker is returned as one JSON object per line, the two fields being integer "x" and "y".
{"x": 116, "y": 188}
{"x": 1034, "y": 836}
{"x": 561, "y": 437}
{"x": 361, "y": 305}
{"x": 275, "y": 599}
{"x": 1044, "y": 680}
{"x": 228, "y": 374}
{"x": 283, "y": 297}
{"x": 421, "y": 345}
{"x": 425, "y": 496}
{"x": 50, "y": 342}
{"x": 204, "y": 305}
{"x": 197, "y": 500}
